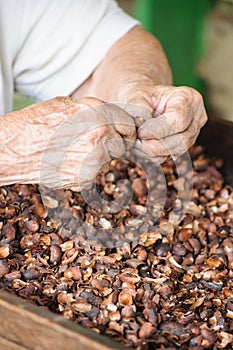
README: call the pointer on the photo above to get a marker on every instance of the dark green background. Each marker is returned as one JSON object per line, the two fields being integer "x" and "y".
{"x": 180, "y": 26}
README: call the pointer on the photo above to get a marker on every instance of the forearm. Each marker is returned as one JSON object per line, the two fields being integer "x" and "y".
{"x": 63, "y": 142}
{"x": 18, "y": 165}
{"x": 135, "y": 74}
{"x": 24, "y": 137}
{"x": 135, "y": 59}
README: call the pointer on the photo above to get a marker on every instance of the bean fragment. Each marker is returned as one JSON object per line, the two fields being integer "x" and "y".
{"x": 134, "y": 271}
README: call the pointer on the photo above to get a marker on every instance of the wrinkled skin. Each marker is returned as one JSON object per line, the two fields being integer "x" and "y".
{"x": 62, "y": 143}
{"x": 173, "y": 117}
{"x": 65, "y": 142}
{"x": 135, "y": 74}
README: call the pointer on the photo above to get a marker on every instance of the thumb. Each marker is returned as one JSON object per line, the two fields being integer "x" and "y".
{"x": 138, "y": 107}
{"x": 123, "y": 123}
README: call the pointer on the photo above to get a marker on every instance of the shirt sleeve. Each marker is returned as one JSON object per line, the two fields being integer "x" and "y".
{"x": 62, "y": 42}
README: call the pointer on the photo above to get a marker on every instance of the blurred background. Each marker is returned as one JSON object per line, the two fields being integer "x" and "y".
{"x": 197, "y": 36}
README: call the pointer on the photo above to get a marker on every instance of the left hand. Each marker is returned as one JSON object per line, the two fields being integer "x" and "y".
{"x": 173, "y": 117}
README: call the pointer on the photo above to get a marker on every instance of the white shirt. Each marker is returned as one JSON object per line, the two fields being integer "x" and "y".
{"x": 49, "y": 47}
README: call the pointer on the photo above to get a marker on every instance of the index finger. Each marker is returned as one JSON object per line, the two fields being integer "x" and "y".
{"x": 176, "y": 118}
{"x": 123, "y": 122}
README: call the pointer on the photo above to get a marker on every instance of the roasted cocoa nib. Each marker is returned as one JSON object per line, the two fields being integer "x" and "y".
{"x": 133, "y": 272}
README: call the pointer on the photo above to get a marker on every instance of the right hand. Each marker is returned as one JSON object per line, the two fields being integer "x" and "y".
{"x": 173, "y": 117}
{"x": 64, "y": 143}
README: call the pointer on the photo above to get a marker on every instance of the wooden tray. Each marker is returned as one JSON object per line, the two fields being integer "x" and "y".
{"x": 24, "y": 326}
{"x": 27, "y": 327}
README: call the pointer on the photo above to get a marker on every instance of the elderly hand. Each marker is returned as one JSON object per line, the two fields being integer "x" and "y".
{"x": 173, "y": 117}
{"x": 62, "y": 143}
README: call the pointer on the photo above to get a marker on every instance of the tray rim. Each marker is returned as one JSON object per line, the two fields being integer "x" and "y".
{"x": 42, "y": 316}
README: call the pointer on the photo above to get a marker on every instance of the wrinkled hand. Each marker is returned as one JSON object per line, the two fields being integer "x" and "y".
{"x": 173, "y": 117}
{"x": 63, "y": 143}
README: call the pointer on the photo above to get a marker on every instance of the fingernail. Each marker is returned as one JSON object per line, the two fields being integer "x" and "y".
{"x": 138, "y": 144}
{"x": 139, "y": 121}
{"x": 143, "y": 133}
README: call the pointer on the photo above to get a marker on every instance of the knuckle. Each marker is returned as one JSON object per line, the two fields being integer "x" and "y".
{"x": 198, "y": 99}
{"x": 196, "y": 96}
{"x": 186, "y": 143}
{"x": 98, "y": 133}
{"x": 181, "y": 123}
{"x": 183, "y": 144}
{"x": 205, "y": 119}
{"x": 183, "y": 92}
{"x": 103, "y": 129}
{"x": 188, "y": 93}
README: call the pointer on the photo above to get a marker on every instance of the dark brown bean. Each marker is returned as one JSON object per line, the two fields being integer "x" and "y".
{"x": 168, "y": 287}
